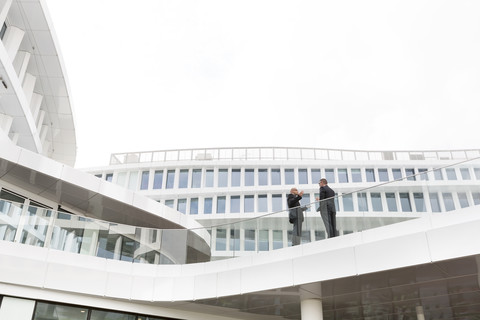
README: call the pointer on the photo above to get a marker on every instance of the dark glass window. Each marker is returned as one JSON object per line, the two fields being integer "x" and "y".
{"x": 462, "y": 198}
{"x": 419, "y": 202}
{"x": 391, "y": 202}
{"x": 249, "y": 203}
{"x": 109, "y": 177}
{"x": 316, "y": 176}
{"x": 182, "y": 205}
{"x": 194, "y": 206}
{"x": 370, "y": 175}
{"x": 289, "y": 176}
{"x": 196, "y": 178}
{"x": 434, "y": 202}
{"x": 235, "y": 204}
{"x": 275, "y": 175}
{"x": 158, "y": 179}
{"x": 451, "y": 174}
{"x": 362, "y": 202}
{"x": 477, "y": 173}
{"x": 249, "y": 240}
{"x": 277, "y": 239}
{"x": 169, "y": 203}
{"x": 438, "y": 174}
{"x": 448, "y": 201}
{"x": 170, "y": 179}
{"x": 209, "y": 178}
{"x": 207, "y": 205}
{"x": 405, "y": 202}
{"x": 302, "y": 176}
{"x": 277, "y": 203}
{"x": 222, "y": 178}
{"x": 342, "y": 176}
{"x": 397, "y": 174}
{"x": 330, "y": 175}
{"x": 347, "y": 202}
{"x": 476, "y": 198}
{"x": 45, "y": 310}
{"x": 144, "y": 182}
{"x": 183, "y": 179}
{"x": 465, "y": 174}
{"x": 410, "y": 173}
{"x": 221, "y": 241}
{"x": 221, "y": 204}
{"x": 249, "y": 177}
{"x": 234, "y": 239}
{"x": 263, "y": 240}
{"x": 356, "y": 175}
{"x": 3, "y": 30}
{"x": 377, "y": 205}
{"x": 383, "y": 174}
{"x": 262, "y": 177}
{"x": 423, "y": 174}
{"x": 319, "y": 235}
{"x": 262, "y": 203}
{"x": 236, "y": 174}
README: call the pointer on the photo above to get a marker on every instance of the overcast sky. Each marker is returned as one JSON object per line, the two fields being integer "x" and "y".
{"x": 368, "y": 75}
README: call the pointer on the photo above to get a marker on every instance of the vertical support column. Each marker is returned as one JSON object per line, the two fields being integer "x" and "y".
{"x": 311, "y": 309}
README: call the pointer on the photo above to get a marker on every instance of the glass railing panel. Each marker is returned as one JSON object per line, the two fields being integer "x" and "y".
{"x": 36, "y": 225}
{"x": 10, "y": 213}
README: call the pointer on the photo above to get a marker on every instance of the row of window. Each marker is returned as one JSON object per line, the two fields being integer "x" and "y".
{"x": 237, "y": 177}
{"x": 262, "y": 240}
{"x": 358, "y": 202}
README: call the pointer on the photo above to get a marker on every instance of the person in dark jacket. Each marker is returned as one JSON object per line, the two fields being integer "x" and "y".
{"x": 327, "y": 208}
{"x": 295, "y": 215}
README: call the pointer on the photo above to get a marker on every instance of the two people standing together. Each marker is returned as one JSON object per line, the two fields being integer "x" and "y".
{"x": 326, "y": 208}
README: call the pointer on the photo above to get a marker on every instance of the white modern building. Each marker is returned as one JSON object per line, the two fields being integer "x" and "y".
{"x": 204, "y": 233}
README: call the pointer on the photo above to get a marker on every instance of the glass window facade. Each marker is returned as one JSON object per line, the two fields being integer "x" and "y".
{"x": 249, "y": 240}
{"x": 196, "y": 178}
{"x": 275, "y": 175}
{"x": 207, "y": 205}
{"x": 377, "y": 205}
{"x": 249, "y": 177}
{"x": 438, "y": 174}
{"x": 277, "y": 239}
{"x": 356, "y": 175}
{"x": 221, "y": 240}
{"x": 235, "y": 204}
{"x": 463, "y": 200}
{"x": 249, "y": 203}
{"x": 209, "y": 178}
{"x": 477, "y": 173}
{"x": 476, "y": 198}
{"x": 423, "y": 174}
{"x": 183, "y": 179}
{"x": 221, "y": 202}
{"x": 330, "y": 175}
{"x": 347, "y": 202}
{"x": 182, "y": 205}
{"x": 289, "y": 176}
{"x": 236, "y": 177}
{"x": 465, "y": 174}
{"x": 397, "y": 174}
{"x": 342, "y": 176}
{"x": 262, "y": 203}
{"x": 370, "y": 175}
{"x": 451, "y": 174}
{"x": 277, "y": 203}
{"x": 262, "y": 177}
{"x": 419, "y": 202}
{"x": 448, "y": 201}
{"x": 362, "y": 202}
{"x": 302, "y": 176}
{"x": 170, "y": 179}
{"x": 222, "y": 178}
{"x": 158, "y": 179}
{"x": 434, "y": 202}
{"x": 383, "y": 175}
{"x": 144, "y": 181}
{"x": 405, "y": 202}
{"x": 263, "y": 243}
{"x": 391, "y": 202}
{"x": 410, "y": 173}
{"x": 316, "y": 175}
{"x": 194, "y": 206}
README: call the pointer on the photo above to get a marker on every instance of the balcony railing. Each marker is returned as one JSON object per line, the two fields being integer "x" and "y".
{"x": 277, "y": 153}
{"x": 234, "y": 235}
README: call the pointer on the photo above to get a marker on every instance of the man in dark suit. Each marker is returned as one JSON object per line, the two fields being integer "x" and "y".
{"x": 295, "y": 215}
{"x": 327, "y": 208}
